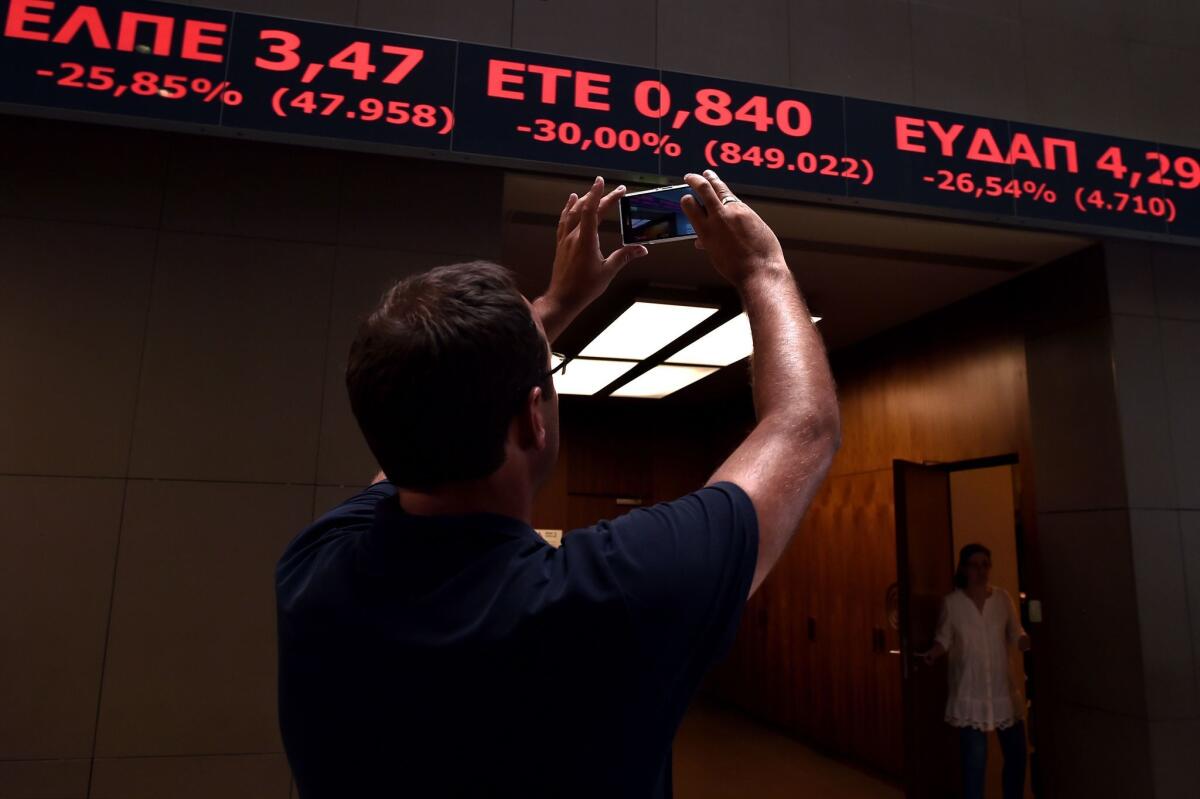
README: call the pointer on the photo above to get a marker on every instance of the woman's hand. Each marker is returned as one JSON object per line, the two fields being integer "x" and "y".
{"x": 931, "y": 654}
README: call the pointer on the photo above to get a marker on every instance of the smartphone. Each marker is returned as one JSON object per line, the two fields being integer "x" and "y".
{"x": 655, "y": 216}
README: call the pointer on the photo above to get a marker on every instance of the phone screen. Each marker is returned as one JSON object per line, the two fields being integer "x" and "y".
{"x": 649, "y": 216}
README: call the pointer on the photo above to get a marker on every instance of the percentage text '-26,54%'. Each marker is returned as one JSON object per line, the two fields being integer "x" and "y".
{"x": 991, "y": 186}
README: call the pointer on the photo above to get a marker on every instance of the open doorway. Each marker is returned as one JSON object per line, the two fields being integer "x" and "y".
{"x": 939, "y": 509}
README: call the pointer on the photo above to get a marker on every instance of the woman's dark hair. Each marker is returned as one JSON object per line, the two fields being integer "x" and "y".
{"x": 964, "y": 555}
{"x": 439, "y": 369}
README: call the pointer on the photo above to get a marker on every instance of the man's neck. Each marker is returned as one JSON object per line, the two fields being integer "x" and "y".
{"x": 506, "y": 497}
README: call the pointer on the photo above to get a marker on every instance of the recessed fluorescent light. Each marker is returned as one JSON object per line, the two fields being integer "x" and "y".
{"x": 588, "y": 375}
{"x": 644, "y": 329}
{"x": 662, "y": 380}
{"x": 727, "y": 344}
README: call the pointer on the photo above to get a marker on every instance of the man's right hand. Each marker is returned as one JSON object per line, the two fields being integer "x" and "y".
{"x": 736, "y": 238}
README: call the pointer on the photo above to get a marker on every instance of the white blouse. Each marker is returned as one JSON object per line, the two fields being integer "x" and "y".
{"x": 982, "y": 694}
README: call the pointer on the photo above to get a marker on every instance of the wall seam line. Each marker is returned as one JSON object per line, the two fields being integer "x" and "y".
{"x": 145, "y": 345}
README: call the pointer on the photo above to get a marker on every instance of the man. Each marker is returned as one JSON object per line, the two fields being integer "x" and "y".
{"x": 430, "y": 643}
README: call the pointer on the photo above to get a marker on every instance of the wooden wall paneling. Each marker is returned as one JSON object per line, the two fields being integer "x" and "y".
{"x": 814, "y": 694}
{"x": 611, "y": 446}
{"x": 761, "y": 610}
{"x": 550, "y": 504}
{"x": 777, "y": 648}
{"x": 795, "y": 570}
{"x": 879, "y": 743}
{"x": 888, "y": 719}
{"x": 822, "y": 689}
{"x": 584, "y": 510}
{"x": 841, "y": 626}
{"x": 791, "y": 632}
{"x": 832, "y": 624}
{"x": 860, "y": 641}
{"x": 948, "y": 387}
{"x": 765, "y": 648}
{"x": 808, "y": 694}
{"x": 681, "y": 454}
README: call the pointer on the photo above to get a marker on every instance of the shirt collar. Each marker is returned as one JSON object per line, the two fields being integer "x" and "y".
{"x": 390, "y": 518}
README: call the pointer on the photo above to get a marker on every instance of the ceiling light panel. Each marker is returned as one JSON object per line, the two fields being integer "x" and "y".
{"x": 728, "y": 343}
{"x": 663, "y": 380}
{"x": 589, "y": 375}
{"x": 644, "y": 329}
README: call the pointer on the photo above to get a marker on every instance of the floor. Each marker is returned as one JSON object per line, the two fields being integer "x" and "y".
{"x": 720, "y": 753}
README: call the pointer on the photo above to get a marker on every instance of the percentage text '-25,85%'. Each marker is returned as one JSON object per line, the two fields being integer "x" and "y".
{"x": 141, "y": 82}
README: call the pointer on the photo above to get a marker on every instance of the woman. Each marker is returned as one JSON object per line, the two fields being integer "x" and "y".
{"x": 978, "y": 624}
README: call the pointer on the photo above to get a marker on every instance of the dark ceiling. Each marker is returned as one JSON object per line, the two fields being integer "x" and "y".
{"x": 863, "y": 272}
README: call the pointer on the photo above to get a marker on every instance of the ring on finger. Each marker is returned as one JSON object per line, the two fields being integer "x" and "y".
{"x": 729, "y": 199}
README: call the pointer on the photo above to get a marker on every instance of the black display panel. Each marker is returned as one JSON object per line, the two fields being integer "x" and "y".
{"x": 1110, "y": 183}
{"x": 761, "y": 135}
{"x": 927, "y": 161}
{"x": 133, "y": 58}
{"x": 343, "y": 83}
{"x": 550, "y": 108}
{"x": 234, "y": 71}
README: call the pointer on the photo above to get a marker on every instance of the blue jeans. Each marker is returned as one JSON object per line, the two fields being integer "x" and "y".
{"x": 973, "y": 745}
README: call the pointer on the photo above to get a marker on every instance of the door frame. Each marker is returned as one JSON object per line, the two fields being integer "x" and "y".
{"x": 903, "y": 576}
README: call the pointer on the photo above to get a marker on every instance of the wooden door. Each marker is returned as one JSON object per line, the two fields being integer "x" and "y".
{"x": 925, "y": 555}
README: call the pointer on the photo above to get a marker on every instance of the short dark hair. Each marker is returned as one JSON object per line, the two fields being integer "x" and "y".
{"x": 439, "y": 369}
{"x": 964, "y": 555}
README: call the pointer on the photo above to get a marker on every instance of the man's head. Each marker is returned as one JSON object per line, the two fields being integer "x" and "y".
{"x": 448, "y": 378}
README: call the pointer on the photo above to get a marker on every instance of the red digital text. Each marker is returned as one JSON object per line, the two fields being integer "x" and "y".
{"x": 512, "y": 80}
{"x": 518, "y": 81}
{"x": 981, "y": 145}
{"x": 161, "y": 35}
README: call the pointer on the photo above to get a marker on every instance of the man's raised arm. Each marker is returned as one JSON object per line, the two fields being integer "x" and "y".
{"x": 783, "y": 461}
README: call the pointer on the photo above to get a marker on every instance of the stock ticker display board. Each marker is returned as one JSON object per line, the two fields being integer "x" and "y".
{"x": 231, "y": 71}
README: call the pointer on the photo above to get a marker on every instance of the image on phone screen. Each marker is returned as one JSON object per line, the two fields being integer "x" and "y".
{"x": 654, "y": 216}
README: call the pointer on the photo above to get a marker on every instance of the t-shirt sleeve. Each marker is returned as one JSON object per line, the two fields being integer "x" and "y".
{"x": 353, "y": 515}
{"x": 360, "y": 508}
{"x": 684, "y": 570}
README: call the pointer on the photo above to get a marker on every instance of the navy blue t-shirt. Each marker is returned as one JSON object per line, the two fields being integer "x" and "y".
{"x": 463, "y": 656}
